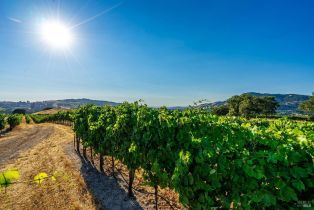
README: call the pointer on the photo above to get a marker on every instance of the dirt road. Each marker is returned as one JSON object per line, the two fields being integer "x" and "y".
{"x": 37, "y": 148}
{"x": 21, "y": 139}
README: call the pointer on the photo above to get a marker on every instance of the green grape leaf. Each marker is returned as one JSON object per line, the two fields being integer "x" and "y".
{"x": 298, "y": 172}
{"x": 7, "y": 177}
{"x": 298, "y": 184}
{"x": 288, "y": 194}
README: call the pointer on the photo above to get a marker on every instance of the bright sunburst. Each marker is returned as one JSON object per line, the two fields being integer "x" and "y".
{"x": 56, "y": 34}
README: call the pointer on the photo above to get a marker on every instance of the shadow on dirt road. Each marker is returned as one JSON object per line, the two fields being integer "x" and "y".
{"x": 107, "y": 193}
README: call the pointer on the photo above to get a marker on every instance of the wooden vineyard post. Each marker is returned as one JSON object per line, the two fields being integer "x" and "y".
{"x": 131, "y": 179}
{"x": 101, "y": 163}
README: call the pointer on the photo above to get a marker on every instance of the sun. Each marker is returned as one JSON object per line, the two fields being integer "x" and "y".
{"x": 56, "y": 34}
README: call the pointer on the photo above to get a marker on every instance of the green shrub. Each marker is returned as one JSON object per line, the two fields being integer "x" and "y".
{"x": 14, "y": 120}
{"x": 39, "y": 118}
{"x": 19, "y": 111}
{"x": 28, "y": 119}
{"x": 2, "y": 121}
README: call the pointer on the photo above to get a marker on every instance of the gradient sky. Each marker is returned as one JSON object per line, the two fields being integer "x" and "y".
{"x": 166, "y": 52}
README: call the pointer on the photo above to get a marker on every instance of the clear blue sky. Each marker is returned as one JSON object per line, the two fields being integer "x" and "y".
{"x": 167, "y": 52}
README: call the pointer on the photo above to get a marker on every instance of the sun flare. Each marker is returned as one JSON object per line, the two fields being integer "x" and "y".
{"x": 56, "y": 34}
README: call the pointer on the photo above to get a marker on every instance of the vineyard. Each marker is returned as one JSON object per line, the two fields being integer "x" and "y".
{"x": 12, "y": 120}
{"x": 209, "y": 161}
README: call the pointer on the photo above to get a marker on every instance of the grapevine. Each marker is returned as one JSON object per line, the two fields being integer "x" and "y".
{"x": 209, "y": 161}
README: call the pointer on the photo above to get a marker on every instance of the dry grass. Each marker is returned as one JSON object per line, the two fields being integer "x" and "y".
{"x": 67, "y": 192}
{"x": 52, "y": 111}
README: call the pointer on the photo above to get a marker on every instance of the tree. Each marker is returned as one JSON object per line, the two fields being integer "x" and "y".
{"x": 19, "y": 111}
{"x": 308, "y": 106}
{"x": 14, "y": 120}
{"x": 267, "y": 105}
{"x": 248, "y": 105}
{"x": 2, "y": 121}
{"x": 234, "y": 104}
{"x": 220, "y": 110}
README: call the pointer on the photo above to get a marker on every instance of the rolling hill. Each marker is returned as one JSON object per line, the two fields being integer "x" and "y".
{"x": 288, "y": 103}
{"x": 31, "y": 107}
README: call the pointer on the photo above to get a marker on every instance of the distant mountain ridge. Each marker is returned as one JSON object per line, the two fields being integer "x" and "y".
{"x": 288, "y": 103}
{"x": 31, "y": 107}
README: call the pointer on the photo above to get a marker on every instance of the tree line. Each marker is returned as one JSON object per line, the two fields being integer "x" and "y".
{"x": 247, "y": 105}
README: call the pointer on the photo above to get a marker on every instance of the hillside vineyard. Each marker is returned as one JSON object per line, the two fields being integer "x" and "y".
{"x": 209, "y": 161}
